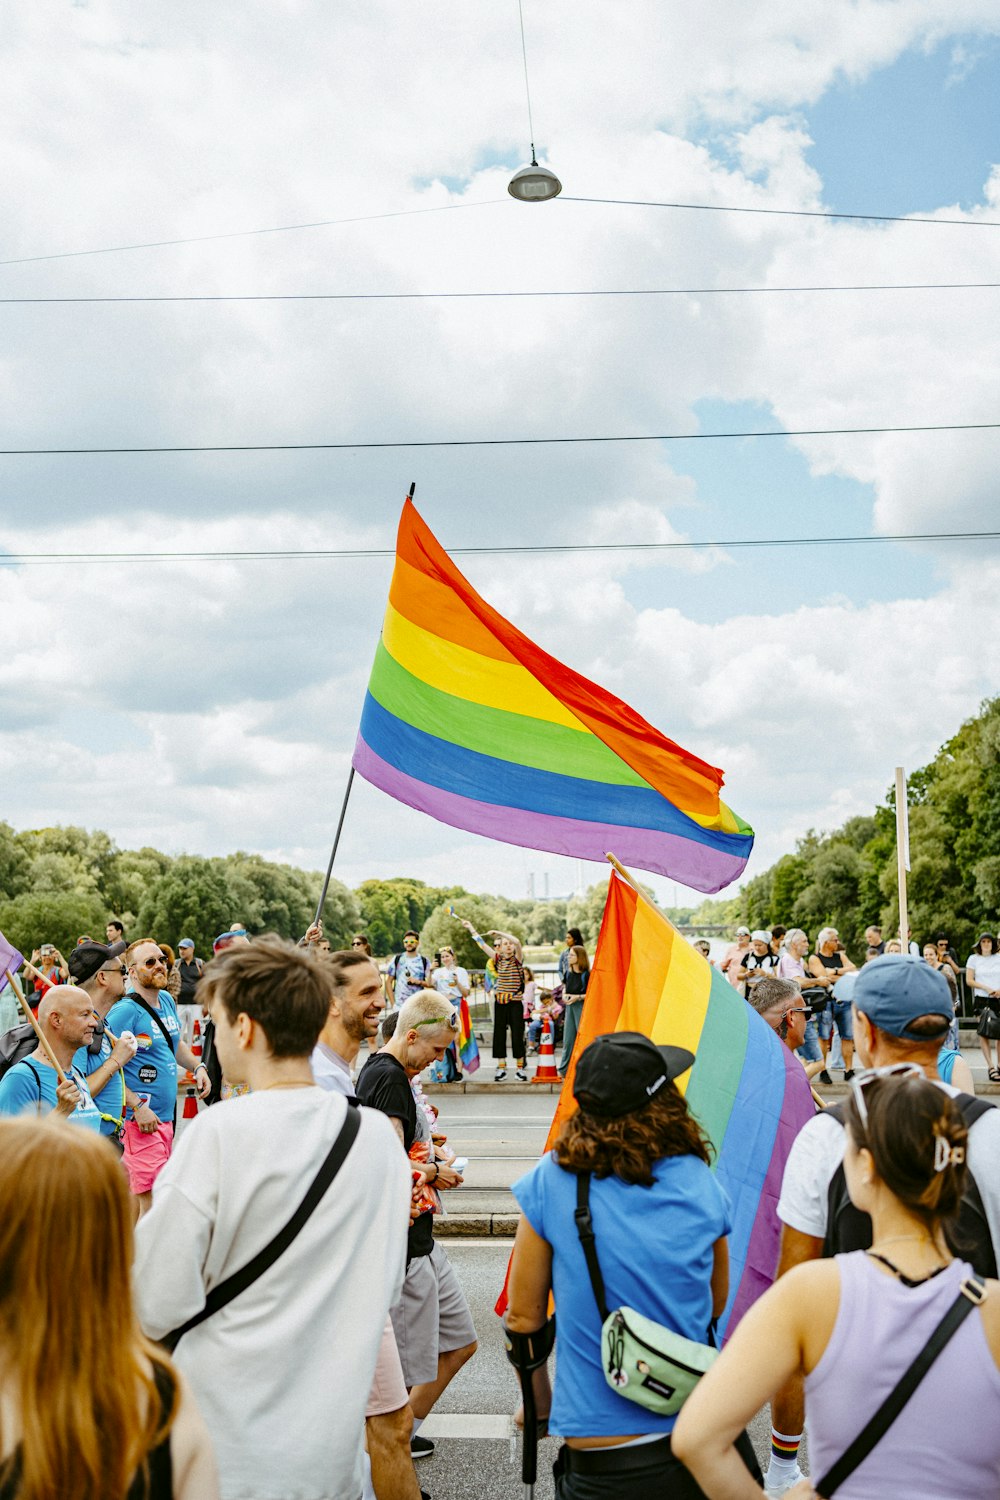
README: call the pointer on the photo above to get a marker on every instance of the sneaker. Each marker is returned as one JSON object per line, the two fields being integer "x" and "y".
{"x": 499, "y": 1075}
{"x": 782, "y": 1486}
{"x": 848, "y": 1074}
{"x": 420, "y": 1447}
{"x": 824, "y": 1077}
{"x": 521, "y": 1076}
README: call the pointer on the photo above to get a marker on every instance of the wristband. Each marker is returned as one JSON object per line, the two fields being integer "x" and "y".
{"x": 199, "y": 1066}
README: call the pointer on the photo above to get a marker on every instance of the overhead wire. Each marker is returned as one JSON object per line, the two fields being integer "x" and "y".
{"x": 789, "y": 213}
{"x": 723, "y": 208}
{"x": 272, "y": 554}
{"x": 653, "y": 291}
{"x": 648, "y": 437}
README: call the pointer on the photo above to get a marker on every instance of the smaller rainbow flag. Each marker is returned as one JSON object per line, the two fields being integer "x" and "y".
{"x": 749, "y": 1092}
{"x": 468, "y": 1049}
{"x": 467, "y": 720}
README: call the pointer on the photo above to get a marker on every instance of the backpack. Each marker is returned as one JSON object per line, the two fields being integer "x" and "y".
{"x": 847, "y": 1228}
{"x": 15, "y": 1045}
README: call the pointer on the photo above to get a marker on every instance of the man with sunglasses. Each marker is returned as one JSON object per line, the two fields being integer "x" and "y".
{"x": 901, "y": 1013}
{"x": 150, "y": 1014}
{"x": 97, "y": 968}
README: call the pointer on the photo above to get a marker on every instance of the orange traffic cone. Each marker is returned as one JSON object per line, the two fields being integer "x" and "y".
{"x": 190, "y": 1105}
{"x": 546, "y": 1070}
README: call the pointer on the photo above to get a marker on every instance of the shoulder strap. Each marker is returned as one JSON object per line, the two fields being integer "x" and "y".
{"x": 231, "y": 1287}
{"x": 155, "y": 1015}
{"x": 973, "y": 1108}
{"x": 38, "y": 1077}
{"x": 585, "y": 1229}
{"x": 972, "y": 1293}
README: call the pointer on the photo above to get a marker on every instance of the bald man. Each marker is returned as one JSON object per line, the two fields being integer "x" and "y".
{"x": 67, "y": 1021}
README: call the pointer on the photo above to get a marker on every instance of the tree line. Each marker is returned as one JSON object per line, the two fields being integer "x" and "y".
{"x": 57, "y": 884}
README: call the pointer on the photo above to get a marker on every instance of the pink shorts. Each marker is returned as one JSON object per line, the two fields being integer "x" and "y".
{"x": 146, "y": 1155}
{"x": 388, "y": 1391}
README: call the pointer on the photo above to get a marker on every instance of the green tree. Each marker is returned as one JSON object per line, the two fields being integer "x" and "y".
{"x": 59, "y": 917}
{"x": 546, "y": 922}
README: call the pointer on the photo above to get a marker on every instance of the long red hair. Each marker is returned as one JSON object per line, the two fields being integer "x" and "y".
{"x": 75, "y": 1360}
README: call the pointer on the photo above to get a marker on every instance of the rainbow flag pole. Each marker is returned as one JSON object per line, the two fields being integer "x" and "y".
{"x": 749, "y": 1092}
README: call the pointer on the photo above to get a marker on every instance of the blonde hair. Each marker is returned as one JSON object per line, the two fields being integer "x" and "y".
{"x": 78, "y": 1364}
{"x": 422, "y": 1009}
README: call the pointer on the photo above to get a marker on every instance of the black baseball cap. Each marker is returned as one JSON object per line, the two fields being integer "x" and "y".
{"x": 86, "y": 958}
{"x": 622, "y": 1071}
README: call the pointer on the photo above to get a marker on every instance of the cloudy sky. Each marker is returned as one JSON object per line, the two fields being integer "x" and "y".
{"x": 209, "y": 705}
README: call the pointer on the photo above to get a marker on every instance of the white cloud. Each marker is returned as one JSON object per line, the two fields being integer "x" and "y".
{"x": 211, "y": 705}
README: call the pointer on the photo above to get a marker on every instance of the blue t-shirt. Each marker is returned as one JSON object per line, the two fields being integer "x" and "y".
{"x": 153, "y": 1069}
{"x": 29, "y": 1088}
{"x": 409, "y": 972}
{"x": 655, "y": 1251}
{"x": 946, "y": 1063}
{"x": 111, "y": 1100}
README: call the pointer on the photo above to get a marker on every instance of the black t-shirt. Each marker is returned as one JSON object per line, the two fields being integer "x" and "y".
{"x": 383, "y": 1085}
{"x": 190, "y": 974}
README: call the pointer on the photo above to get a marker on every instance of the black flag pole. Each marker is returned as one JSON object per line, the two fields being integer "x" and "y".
{"x": 343, "y": 813}
{"x": 333, "y": 851}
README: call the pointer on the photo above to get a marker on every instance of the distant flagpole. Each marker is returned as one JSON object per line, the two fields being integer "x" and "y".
{"x": 902, "y": 857}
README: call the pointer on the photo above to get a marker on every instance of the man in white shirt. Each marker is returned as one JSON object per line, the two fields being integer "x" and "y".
{"x": 281, "y": 1373}
{"x": 355, "y": 1008}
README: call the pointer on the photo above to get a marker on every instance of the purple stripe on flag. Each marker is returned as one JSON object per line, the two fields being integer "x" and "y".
{"x": 9, "y": 959}
{"x": 667, "y": 854}
{"x": 761, "y": 1263}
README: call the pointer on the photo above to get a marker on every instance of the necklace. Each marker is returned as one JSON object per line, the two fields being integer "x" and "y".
{"x": 895, "y": 1239}
{"x": 303, "y": 1083}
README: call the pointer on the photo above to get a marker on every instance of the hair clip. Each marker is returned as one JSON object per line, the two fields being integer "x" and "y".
{"x": 946, "y": 1155}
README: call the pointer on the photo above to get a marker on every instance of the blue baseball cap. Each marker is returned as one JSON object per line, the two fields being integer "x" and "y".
{"x": 896, "y": 988}
{"x": 185, "y": 943}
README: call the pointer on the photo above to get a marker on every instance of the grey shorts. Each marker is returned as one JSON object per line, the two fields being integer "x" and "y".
{"x": 431, "y": 1317}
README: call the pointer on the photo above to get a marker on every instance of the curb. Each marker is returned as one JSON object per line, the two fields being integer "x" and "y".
{"x": 476, "y": 1226}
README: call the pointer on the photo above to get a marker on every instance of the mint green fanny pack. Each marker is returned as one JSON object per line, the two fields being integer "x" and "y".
{"x": 643, "y": 1361}
{"x": 650, "y": 1364}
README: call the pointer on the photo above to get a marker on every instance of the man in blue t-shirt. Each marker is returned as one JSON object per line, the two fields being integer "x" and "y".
{"x": 98, "y": 969}
{"x": 66, "y": 1019}
{"x": 150, "y": 1014}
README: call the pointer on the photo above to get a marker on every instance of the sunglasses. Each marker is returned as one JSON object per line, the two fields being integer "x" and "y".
{"x": 154, "y": 963}
{"x": 440, "y": 1022}
{"x": 357, "y": 943}
{"x": 115, "y": 969}
{"x": 860, "y": 1082}
{"x": 800, "y": 1010}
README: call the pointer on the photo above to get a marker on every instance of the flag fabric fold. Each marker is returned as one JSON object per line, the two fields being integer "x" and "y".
{"x": 468, "y": 1048}
{"x": 467, "y": 720}
{"x": 748, "y": 1091}
{"x": 10, "y": 959}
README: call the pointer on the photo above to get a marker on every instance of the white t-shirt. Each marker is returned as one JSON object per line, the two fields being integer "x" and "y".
{"x": 447, "y": 981}
{"x": 282, "y": 1374}
{"x": 331, "y": 1072}
{"x": 818, "y": 1150}
{"x": 985, "y": 970}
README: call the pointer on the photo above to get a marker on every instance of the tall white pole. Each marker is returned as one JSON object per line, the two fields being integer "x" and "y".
{"x": 902, "y": 857}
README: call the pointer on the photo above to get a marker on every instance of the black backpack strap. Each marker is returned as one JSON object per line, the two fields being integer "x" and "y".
{"x": 220, "y": 1296}
{"x": 585, "y": 1229}
{"x": 38, "y": 1077}
{"x": 155, "y": 1015}
{"x": 973, "y": 1292}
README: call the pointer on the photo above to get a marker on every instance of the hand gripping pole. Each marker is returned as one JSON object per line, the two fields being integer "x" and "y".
{"x": 528, "y": 1352}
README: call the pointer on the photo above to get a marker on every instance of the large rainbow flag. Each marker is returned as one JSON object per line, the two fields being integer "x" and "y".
{"x": 750, "y": 1093}
{"x": 469, "y": 721}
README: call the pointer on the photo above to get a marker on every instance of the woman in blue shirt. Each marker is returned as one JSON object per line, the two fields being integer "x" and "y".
{"x": 660, "y": 1222}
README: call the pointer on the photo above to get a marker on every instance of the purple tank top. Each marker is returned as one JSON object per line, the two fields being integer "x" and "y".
{"x": 945, "y": 1443}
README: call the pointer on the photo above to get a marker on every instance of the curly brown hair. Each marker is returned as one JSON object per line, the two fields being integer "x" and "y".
{"x": 628, "y": 1146}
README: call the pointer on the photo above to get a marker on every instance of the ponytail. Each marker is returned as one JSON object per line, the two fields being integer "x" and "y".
{"x": 918, "y": 1143}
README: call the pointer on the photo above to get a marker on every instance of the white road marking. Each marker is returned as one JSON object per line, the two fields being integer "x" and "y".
{"x": 468, "y": 1425}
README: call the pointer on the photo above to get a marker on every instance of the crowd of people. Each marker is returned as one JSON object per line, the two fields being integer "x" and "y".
{"x": 825, "y": 976}
{"x": 296, "y": 1213}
